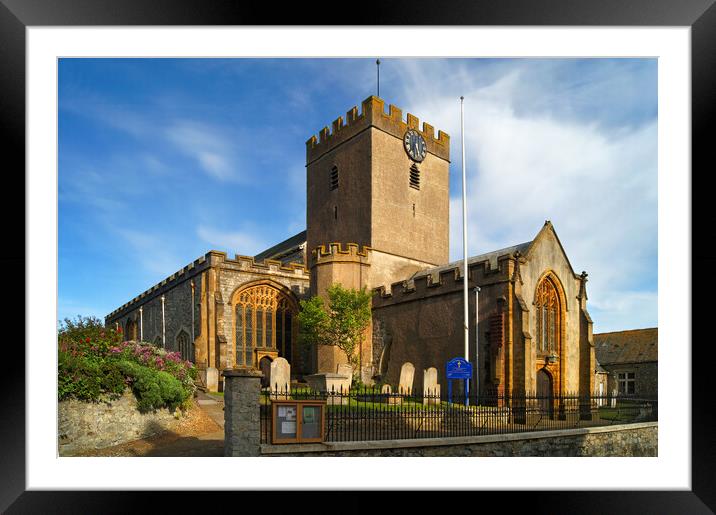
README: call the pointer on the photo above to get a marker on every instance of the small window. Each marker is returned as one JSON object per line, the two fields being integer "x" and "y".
{"x": 627, "y": 382}
{"x": 414, "y": 177}
{"x": 334, "y": 178}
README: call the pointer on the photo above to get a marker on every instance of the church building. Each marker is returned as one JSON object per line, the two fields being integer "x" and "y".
{"x": 378, "y": 217}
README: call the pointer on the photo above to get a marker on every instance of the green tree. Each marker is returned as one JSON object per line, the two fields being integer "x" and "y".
{"x": 341, "y": 323}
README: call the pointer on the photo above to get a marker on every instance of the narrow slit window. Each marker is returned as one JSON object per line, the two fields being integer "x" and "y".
{"x": 415, "y": 177}
{"x": 334, "y": 178}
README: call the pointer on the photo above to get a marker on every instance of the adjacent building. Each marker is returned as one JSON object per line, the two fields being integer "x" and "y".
{"x": 631, "y": 360}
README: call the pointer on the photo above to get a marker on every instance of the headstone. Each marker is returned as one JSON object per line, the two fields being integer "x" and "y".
{"x": 387, "y": 394}
{"x": 431, "y": 388}
{"x": 331, "y": 384}
{"x": 346, "y": 370}
{"x": 280, "y": 376}
{"x": 407, "y": 371}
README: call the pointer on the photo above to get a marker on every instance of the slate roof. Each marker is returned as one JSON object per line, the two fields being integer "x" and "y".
{"x": 635, "y": 346}
{"x": 489, "y": 256}
{"x": 286, "y": 247}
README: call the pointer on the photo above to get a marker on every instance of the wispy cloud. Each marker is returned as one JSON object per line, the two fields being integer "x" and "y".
{"x": 238, "y": 242}
{"x": 208, "y": 146}
{"x": 597, "y": 185}
{"x": 150, "y": 251}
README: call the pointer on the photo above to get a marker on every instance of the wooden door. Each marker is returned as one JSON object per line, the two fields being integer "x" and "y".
{"x": 545, "y": 397}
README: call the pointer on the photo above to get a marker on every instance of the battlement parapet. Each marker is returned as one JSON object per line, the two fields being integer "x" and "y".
{"x": 198, "y": 265}
{"x": 340, "y": 252}
{"x": 373, "y": 114}
{"x": 438, "y": 281}
{"x": 210, "y": 259}
{"x": 248, "y": 263}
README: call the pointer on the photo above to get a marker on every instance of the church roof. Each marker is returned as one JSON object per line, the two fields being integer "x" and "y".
{"x": 286, "y": 247}
{"x": 634, "y": 346}
{"x": 488, "y": 256}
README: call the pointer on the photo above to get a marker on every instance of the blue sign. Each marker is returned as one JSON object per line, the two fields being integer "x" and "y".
{"x": 458, "y": 368}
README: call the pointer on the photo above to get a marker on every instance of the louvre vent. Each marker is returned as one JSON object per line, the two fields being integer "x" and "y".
{"x": 414, "y": 177}
{"x": 334, "y": 178}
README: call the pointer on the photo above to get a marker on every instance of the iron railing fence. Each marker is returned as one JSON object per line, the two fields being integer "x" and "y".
{"x": 362, "y": 414}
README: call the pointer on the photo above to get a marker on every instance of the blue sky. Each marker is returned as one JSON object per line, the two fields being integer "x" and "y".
{"x": 161, "y": 160}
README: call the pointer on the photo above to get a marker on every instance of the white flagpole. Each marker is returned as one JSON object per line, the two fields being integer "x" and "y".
{"x": 464, "y": 231}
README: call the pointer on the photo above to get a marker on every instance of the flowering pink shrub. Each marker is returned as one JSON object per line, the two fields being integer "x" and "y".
{"x": 95, "y": 360}
{"x": 157, "y": 358}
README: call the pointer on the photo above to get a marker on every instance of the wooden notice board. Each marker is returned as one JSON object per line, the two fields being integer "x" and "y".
{"x": 298, "y": 421}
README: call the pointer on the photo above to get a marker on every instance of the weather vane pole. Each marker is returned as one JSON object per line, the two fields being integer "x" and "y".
{"x": 377, "y": 65}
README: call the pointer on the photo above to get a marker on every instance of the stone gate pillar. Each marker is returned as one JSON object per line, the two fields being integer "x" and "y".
{"x": 242, "y": 404}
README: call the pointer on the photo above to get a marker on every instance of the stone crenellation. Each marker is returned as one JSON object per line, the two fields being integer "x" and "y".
{"x": 373, "y": 114}
{"x": 442, "y": 280}
{"x": 211, "y": 258}
{"x": 332, "y": 250}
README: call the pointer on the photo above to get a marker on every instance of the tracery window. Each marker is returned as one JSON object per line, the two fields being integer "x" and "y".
{"x": 547, "y": 304}
{"x": 263, "y": 317}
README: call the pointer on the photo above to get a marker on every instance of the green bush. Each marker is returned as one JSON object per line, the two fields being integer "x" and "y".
{"x": 154, "y": 389}
{"x": 87, "y": 378}
{"x": 94, "y": 364}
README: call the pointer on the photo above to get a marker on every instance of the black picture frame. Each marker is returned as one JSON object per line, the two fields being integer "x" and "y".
{"x": 699, "y": 15}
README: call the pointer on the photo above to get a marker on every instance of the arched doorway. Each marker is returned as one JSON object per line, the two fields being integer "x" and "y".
{"x": 264, "y": 318}
{"x": 545, "y": 396}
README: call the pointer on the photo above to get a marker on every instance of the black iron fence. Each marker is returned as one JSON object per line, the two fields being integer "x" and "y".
{"x": 372, "y": 414}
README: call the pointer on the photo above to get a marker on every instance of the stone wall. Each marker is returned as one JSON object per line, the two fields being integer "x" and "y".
{"x": 84, "y": 426}
{"x": 424, "y": 315}
{"x": 178, "y": 298}
{"x": 622, "y": 440}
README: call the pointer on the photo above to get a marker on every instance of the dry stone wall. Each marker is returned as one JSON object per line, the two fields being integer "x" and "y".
{"x": 623, "y": 440}
{"x": 84, "y": 426}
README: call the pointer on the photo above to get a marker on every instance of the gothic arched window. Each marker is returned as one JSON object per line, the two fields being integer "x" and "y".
{"x": 184, "y": 346}
{"x": 262, "y": 320}
{"x": 548, "y": 317}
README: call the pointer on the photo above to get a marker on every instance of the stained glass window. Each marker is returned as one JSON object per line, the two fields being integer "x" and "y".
{"x": 547, "y": 307}
{"x": 262, "y": 320}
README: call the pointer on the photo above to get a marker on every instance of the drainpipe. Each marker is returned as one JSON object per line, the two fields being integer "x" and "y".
{"x": 141, "y": 324}
{"x": 164, "y": 335}
{"x": 477, "y": 344}
{"x": 193, "y": 286}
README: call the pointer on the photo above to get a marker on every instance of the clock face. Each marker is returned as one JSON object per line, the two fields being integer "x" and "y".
{"x": 415, "y": 145}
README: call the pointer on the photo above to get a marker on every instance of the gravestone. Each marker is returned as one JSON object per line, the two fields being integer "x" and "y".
{"x": 387, "y": 394}
{"x": 431, "y": 387}
{"x": 346, "y": 370}
{"x": 280, "y": 376}
{"x": 407, "y": 371}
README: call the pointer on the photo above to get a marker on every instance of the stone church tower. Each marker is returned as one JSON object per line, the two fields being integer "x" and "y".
{"x": 377, "y": 205}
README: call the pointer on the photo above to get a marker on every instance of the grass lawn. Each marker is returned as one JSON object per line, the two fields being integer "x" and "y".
{"x": 371, "y": 402}
{"x": 625, "y": 410}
